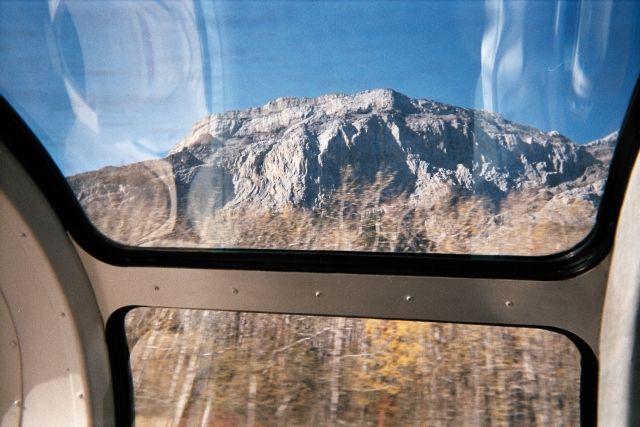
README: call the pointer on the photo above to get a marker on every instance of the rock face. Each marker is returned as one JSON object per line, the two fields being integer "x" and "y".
{"x": 298, "y": 152}
{"x": 292, "y": 151}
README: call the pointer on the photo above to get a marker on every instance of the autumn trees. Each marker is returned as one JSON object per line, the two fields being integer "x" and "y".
{"x": 213, "y": 368}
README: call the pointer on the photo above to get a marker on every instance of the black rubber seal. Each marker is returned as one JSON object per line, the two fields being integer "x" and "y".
{"x": 123, "y": 394}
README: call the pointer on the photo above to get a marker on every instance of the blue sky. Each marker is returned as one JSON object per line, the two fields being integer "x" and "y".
{"x": 111, "y": 83}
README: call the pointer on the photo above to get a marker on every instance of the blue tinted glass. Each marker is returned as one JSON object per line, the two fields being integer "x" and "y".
{"x": 417, "y": 126}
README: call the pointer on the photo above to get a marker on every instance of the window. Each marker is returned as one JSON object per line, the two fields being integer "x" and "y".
{"x": 200, "y": 367}
{"x": 405, "y": 127}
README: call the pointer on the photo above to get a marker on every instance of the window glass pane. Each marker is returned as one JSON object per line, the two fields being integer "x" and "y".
{"x": 216, "y": 368}
{"x": 406, "y": 126}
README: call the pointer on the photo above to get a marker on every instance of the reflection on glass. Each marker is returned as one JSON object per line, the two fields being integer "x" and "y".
{"x": 494, "y": 136}
{"x": 214, "y": 368}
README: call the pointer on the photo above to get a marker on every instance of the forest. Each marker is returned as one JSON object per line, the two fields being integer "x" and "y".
{"x": 375, "y": 216}
{"x": 216, "y": 368}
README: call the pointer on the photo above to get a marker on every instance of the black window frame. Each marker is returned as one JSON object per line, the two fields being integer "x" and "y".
{"x": 30, "y": 152}
{"x": 124, "y": 394}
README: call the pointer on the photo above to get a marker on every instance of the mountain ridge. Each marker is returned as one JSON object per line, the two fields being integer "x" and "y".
{"x": 301, "y": 152}
{"x": 429, "y": 145}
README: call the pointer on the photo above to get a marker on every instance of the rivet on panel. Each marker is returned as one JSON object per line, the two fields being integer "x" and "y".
{"x": 80, "y": 396}
{"x": 63, "y": 314}
{"x": 318, "y": 294}
{"x": 234, "y": 291}
{"x": 408, "y": 298}
{"x": 508, "y": 303}
{"x": 17, "y": 403}
{"x": 23, "y": 234}
{"x": 156, "y": 288}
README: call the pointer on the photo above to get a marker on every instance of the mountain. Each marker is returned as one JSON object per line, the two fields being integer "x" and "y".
{"x": 299, "y": 153}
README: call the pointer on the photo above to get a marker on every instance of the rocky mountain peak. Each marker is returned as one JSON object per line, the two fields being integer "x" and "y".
{"x": 301, "y": 152}
{"x": 292, "y": 151}
{"x": 287, "y": 112}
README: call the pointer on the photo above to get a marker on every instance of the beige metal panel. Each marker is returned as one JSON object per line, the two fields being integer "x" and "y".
{"x": 573, "y": 305}
{"x": 621, "y": 316}
{"x": 10, "y": 369}
{"x": 65, "y": 370}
